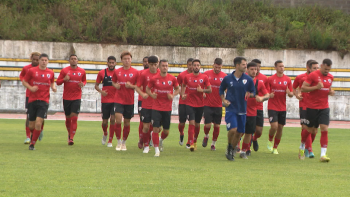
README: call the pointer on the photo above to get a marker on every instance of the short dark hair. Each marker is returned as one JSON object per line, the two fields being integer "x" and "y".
{"x": 43, "y": 55}
{"x": 152, "y": 59}
{"x": 252, "y": 64}
{"x": 73, "y": 55}
{"x": 238, "y": 60}
{"x": 278, "y": 62}
{"x": 111, "y": 58}
{"x": 196, "y": 60}
{"x": 145, "y": 58}
{"x": 256, "y": 61}
{"x": 328, "y": 62}
{"x": 190, "y": 60}
{"x": 218, "y": 61}
{"x": 162, "y": 60}
{"x": 124, "y": 53}
{"x": 311, "y": 63}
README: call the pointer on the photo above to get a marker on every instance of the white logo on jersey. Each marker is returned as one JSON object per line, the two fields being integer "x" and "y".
{"x": 271, "y": 119}
{"x": 285, "y": 83}
{"x": 228, "y": 125}
{"x": 48, "y": 75}
{"x": 79, "y": 74}
{"x": 329, "y": 81}
{"x": 73, "y": 73}
{"x": 231, "y": 83}
{"x": 221, "y": 79}
{"x": 201, "y": 81}
{"x": 195, "y": 81}
{"x": 324, "y": 80}
{"x": 130, "y": 75}
{"x": 169, "y": 82}
{"x": 244, "y": 81}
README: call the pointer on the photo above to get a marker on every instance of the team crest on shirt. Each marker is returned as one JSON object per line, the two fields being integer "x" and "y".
{"x": 130, "y": 75}
{"x": 284, "y": 82}
{"x": 244, "y": 81}
{"x": 221, "y": 79}
{"x": 79, "y": 74}
{"x": 169, "y": 82}
{"x": 329, "y": 81}
{"x": 231, "y": 83}
{"x": 201, "y": 81}
{"x": 48, "y": 75}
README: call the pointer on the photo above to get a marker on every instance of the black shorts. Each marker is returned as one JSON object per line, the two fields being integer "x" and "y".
{"x": 182, "y": 113}
{"x": 26, "y": 104}
{"x": 315, "y": 117}
{"x": 277, "y": 116}
{"x": 37, "y": 109}
{"x": 161, "y": 118}
{"x": 194, "y": 113}
{"x": 71, "y": 106}
{"x": 302, "y": 114}
{"x": 212, "y": 115}
{"x": 107, "y": 110}
{"x": 250, "y": 124}
{"x": 260, "y": 118}
{"x": 146, "y": 115}
{"x": 126, "y": 110}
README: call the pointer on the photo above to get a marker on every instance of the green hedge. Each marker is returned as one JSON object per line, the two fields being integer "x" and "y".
{"x": 209, "y": 23}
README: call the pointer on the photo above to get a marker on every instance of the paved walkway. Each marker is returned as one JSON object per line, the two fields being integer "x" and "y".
{"x": 174, "y": 119}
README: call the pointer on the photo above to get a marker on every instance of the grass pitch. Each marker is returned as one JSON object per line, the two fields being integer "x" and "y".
{"x": 91, "y": 169}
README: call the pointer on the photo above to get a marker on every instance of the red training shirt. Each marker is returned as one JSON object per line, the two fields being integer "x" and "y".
{"x": 194, "y": 98}
{"x": 125, "y": 96}
{"x": 252, "y": 104}
{"x": 72, "y": 90}
{"x": 41, "y": 78}
{"x": 162, "y": 86}
{"x": 318, "y": 99}
{"x": 140, "y": 97}
{"x": 107, "y": 85}
{"x": 213, "y": 99}
{"x": 278, "y": 85}
{"x": 23, "y": 73}
{"x": 143, "y": 81}
{"x": 298, "y": 82}
{"x": 180, "y": 81}
{"x": 261, "y": 77}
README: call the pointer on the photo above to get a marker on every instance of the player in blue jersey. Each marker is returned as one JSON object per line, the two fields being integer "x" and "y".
{"x": 239, "y": 87}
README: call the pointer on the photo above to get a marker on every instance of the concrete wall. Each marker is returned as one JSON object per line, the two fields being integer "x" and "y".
{"x": 12, "y": 93}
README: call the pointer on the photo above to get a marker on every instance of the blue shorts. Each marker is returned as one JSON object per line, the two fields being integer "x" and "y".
{"x": 234, "y": 120}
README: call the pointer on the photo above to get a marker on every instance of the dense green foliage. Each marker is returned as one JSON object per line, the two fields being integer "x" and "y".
{"x": 209, "y": 23}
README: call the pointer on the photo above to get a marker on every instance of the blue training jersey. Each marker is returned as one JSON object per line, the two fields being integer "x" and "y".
{"x": 236, "y": 90}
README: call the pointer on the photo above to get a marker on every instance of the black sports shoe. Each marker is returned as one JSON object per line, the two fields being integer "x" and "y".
{"x": 181, "y": 142}
{"x": 31, "y": 147}
{"x": 248, "y": 153}
{"x": 229, "y": 153}
{"x": 255, "y": 145}
{"x": 205, "y": 142}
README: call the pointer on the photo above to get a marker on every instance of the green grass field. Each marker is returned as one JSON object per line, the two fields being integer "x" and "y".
{"x": 90, "y": 169}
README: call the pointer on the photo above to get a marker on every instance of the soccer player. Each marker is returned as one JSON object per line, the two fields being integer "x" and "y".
{"x": 213, "y": 104}
{"x": 74, "y": 79}
{"x": 38, "y": 81}
{"x": 139, "y": 103}
{"x": 147, "y": 101}
{"x": 182, "y": 103}
{"x": 260, "y": 108}
{"x": 124, "y": 80}
{"x": 193, "y": 87}
{"x": 107, "y": 98}
{"x": 163, "y": 86}
{"x": 34, "y": 57}
{"x": 280, "y": 85}
{"x": 311, "y": 66}
{"x": 318, "y": 83}
{"x": 239, "y": 87}
{"x": 252, "y": 104}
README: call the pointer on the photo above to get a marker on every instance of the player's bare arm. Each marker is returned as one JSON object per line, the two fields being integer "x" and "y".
{"x": 183, "y": 89}
{"x": 149, "y": 92}
{"x": 297, "y": 94}
{"x": 207, "y": 90}
{"x": 102, "y": 92}
{"x": 224, "y": 101}
{"x": 31, "y": 88}
{"x": 116, "y": 85}
{"x": 289, "y": 93}
{"x": 53, "y": 87}
{"x": 140, "y": 92}
{"x": 129, "y": 85}
{"x": 307, "y": 88}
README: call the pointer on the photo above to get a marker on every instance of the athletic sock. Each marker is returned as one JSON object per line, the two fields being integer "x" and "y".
{"x": 126, "y": 131}
{"x": 304, "y": 135}
{"x": 196, "y": 133}
{"x": 308, "y": 143}
{"x": 118, "y": 131}
{"x": 68, "y": 123}
{"x": 313, "y": 137}
{"x": 277, "y": 142}
{"x": 150, "y": 131}
{"x": 104, "y": 128}
{"x": 111, "y": 133}
{"x": 164, "y": 135}
{"x": 181, "y": 129}
{"x": 140, "y": 130}
{"x": 270, "y": 138}
{"x": 216, "y": 133}
{"x": 73, "y": 127}
{"x": 206, "y": 130}
{"x": 213, "y": 143}
{"x": 324, "y": 142}
{"x": 190, "y": 134}
{"x": 256, "y": 136}
{"x": 155, "y": 139}
{"x": 145, "y": 138}
{"x": 28, "y": 132}
{"x": 35, "y": 136}
{"x": 244, "y": 147}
